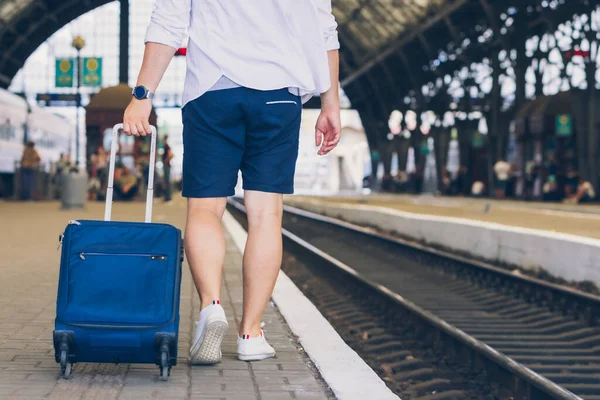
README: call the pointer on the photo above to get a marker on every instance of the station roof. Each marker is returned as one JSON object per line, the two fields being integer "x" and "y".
{"x": 26, "y": 24}
{"x": 393, "y": 47}
{"x": 369, "y": 24}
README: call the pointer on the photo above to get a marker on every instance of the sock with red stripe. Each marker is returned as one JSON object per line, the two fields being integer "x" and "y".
{"x": 249, "y": 337}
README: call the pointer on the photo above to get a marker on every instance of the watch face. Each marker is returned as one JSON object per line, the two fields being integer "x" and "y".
{"x": 139, "y": 92}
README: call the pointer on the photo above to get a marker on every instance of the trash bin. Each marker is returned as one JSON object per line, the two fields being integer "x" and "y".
{"x": 73, "y": 186}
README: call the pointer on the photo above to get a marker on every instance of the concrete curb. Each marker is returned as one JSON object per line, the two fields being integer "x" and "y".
{"x": 345, "y": 372}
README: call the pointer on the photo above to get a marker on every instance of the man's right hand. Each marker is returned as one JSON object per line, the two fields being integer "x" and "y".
{"x": 137, "y": 115}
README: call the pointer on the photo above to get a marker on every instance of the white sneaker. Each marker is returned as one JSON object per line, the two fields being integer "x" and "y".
{"x": 254, "y": 349}
{"x": 208, "y": 336}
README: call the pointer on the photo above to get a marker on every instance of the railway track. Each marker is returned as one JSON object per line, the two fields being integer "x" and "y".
{"x": 438, "y": 325}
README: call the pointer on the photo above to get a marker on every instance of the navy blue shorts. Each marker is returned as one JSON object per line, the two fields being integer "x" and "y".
{"x": 229, "y": 130}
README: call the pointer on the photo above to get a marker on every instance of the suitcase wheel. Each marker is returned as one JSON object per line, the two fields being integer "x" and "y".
{"x": 165, "y": 368}
{"x": 65, "y": 367}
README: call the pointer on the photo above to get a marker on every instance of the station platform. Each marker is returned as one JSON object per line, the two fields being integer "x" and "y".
{"x": 558, "y": 242}
{"x": 30, "y": 265}
{"x": 574, "y": 219}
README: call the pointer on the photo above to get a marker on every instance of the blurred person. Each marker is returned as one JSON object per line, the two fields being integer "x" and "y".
{"x": 571, "y": 182}
{"x": 477, "y": 189}
{"x": 166, "y": 159}
{"x": 446, "y": 182}
{"x": 126, "y": 184}
{"x": 94, "y": 188}
{"x": 502, "y": 171}
{"x": 30, "y": 162}
{"x": 551, "y": 165}
{"x": 550, "y": 189}
{"x": 538, "y": 174}
{"x": 61, "y": 164}
{"x": 93, "y": 163}
{"x": 530, "y": 176}
{"x": 59, "y": 167}
{"x": 386, "y": 183}
{"x": 418, "y": 178}
{"x": 93, "y": 182}
{"x": 250, "y": 67}
{"x": 460, "y": 181}
{"x": 139, "y": 170}
{"x": 402, "y": 180}
{"x": 102, "y": 165}
{"x": 585, "y": 192}
{"x": 513, "y": 178}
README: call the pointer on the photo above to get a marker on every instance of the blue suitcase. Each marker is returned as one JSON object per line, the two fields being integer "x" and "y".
{"x": 119, "y": 287}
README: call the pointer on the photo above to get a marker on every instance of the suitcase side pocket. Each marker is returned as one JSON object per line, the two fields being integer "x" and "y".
{"x": 117, "y": 289}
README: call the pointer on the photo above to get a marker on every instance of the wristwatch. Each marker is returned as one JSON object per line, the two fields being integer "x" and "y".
{"x": 141, "y": 93}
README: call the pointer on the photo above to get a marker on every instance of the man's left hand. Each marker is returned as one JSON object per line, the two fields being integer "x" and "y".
{"x": 328, "y": 130}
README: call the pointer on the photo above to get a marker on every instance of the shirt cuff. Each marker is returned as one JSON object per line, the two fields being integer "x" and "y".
{"x": 158, "y": 34}
{"x": 332, "y": 41}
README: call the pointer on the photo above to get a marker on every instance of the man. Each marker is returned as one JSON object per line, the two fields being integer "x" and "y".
{"x": 30, "y": 162}
{"x": 166, "y": 159}
{"x": 502, "y": 171}
{"x": 126, "y": 184}
{"x": 251, "y": 65}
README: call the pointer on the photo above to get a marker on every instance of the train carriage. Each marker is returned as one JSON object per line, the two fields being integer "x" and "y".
{"x": 20, "y": 123}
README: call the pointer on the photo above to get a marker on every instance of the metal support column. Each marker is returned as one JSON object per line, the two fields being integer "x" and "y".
{"x": 496, "y": 147}
{"x": 592, "y": 147}
{"x": 520, "y": 71}
{"x": 78, "y": 80}
{"x": 124, "y": 43}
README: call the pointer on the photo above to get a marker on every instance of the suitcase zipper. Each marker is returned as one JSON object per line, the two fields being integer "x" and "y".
{"x": 151, "y": 256}
{"x": 175, "y": 311}
{"x": 62, "y": 234}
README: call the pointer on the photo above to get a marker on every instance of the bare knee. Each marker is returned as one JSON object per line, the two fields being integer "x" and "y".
{"x": 262, "y": 207}
{"x": 214, "y": 206}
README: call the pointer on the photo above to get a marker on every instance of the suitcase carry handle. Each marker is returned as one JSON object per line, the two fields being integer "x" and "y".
{"x": 111, "y": 174}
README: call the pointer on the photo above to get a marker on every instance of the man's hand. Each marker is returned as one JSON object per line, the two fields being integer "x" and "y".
{"x": 329, "y": 124}
{"x": 136, "y": 118}
{"x": 328, "y": 130}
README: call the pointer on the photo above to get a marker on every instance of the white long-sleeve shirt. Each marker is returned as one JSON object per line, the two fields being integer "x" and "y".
{"x": 258, "y": 44}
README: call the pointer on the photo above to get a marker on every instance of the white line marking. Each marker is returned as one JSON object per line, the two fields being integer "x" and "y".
{"x": 345, "y": 372}
{"x": 281, "y": 102}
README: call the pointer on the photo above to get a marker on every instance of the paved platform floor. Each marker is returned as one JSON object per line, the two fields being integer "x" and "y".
{"x": 582, "y": 220}
{"x": 28, "y": 282}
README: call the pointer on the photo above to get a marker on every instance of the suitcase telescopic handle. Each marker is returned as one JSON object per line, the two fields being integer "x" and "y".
{"x": 111, "y": 174}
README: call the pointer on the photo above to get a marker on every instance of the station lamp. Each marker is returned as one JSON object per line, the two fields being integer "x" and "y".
{"x": 78, "y": 44}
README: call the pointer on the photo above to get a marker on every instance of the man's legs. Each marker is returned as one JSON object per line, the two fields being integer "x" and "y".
{"x": 205, "y": 246}
{"x": 262, "y": 256}
{"x": 130, "y": 194}
{"x": 168, "y": 189}
{"x": 268, "y": 167}
{"x": 27, "y": 175}
{"x": 118, "y": 191}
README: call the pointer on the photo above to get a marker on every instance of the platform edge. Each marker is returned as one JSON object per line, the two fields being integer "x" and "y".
{"x": 342, "y": 368}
